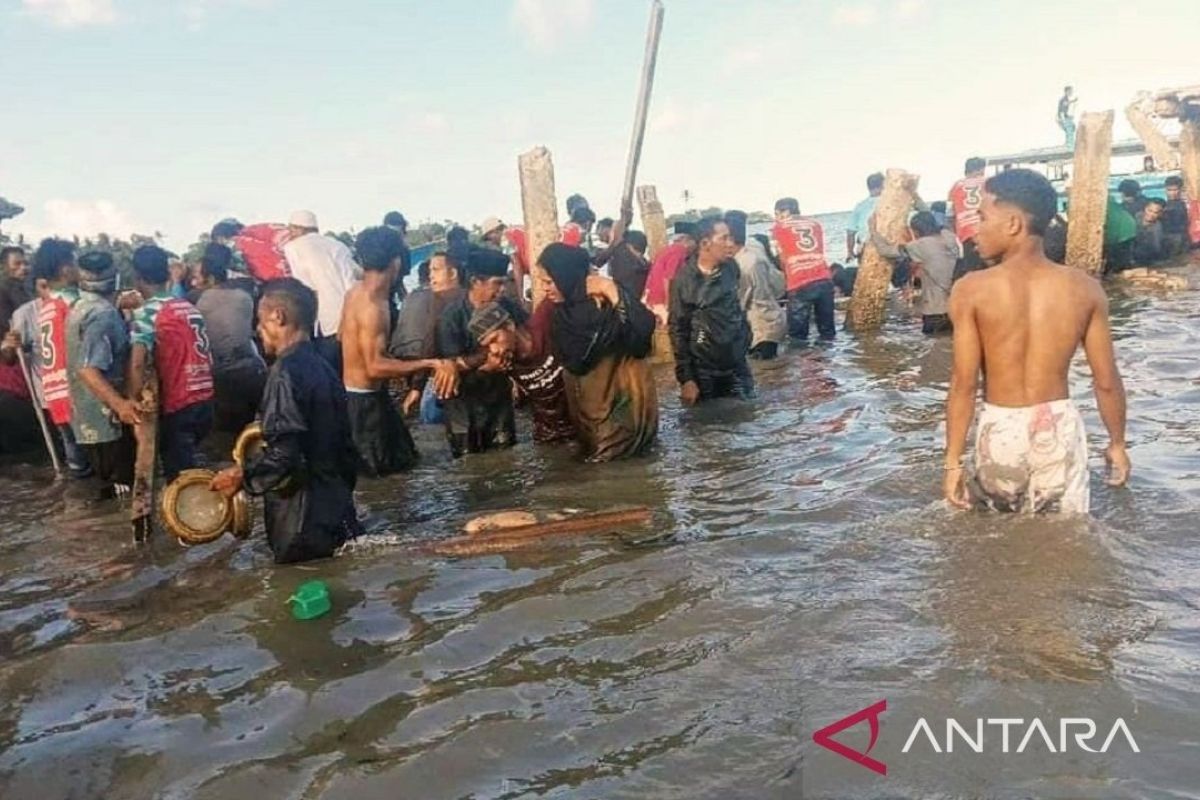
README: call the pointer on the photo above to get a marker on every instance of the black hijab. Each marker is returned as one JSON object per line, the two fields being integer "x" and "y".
{"x": 583, "y": 332}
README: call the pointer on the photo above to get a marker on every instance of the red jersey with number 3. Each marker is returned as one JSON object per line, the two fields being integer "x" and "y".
{"x": 801, "y": 244}
{"x": 965, "y": 199}
{"x": 181, "y": 356}
{"x": 52, "y": 346}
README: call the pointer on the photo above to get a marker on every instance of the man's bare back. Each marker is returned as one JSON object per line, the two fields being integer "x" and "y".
{"x": 363, "y": 330}
{"x": 1029, "y": 318}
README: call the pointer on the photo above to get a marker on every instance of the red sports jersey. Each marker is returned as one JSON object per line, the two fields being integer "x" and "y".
{"x": 519, "y": 245}
{"x": 261, "y": 247}
{"x": 52, "y": 330}
{"x": 965, "y": 199}
{"x": 801, "y": 244}
{"x": 572, "y": 234}
{"x": 181, "y": 356}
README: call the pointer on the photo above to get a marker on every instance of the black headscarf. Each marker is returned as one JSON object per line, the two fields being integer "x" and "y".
{"x": 583, "y": 332}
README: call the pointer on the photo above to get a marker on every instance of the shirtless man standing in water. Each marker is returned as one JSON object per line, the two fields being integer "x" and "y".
{"x": 1021, "y": 322}
{"x": 383, "y": 442}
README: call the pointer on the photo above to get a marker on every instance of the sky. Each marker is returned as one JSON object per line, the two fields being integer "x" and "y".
{"x": 137, "y": 116}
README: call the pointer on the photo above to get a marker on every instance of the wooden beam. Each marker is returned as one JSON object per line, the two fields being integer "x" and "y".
{"x": 536, "y": 169}
{"x": 1088, "y": 197}
{"x": 869, "y": 301}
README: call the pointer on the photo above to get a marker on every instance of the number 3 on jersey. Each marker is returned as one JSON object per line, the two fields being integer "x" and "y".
{"x": 200, "y": 338}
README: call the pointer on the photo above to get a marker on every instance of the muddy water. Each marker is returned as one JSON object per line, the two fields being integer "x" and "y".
{"x": 798, "y": 569}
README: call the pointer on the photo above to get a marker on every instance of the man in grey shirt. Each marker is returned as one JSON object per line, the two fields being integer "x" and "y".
{"x": 760, "y": 288}
{"x": 239, "y": 372}
{"x": 934, "y": 252}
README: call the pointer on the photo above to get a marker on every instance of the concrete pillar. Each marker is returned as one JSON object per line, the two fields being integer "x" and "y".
{"x": 654, "y": 220}
{"x": 536, "y": 169}
{"x": 869, "y": 301}
{"x": 1088, "y": 198}
{"x": 1189, "y": 157}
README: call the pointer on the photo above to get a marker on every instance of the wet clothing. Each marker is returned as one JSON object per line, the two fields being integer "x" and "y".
{"x": 414, "y": 336}
{"x": 662, "y": 272}
{"x": 602, "y": 347}
{"x": 625, "y": 266}
{"x": 174, "y": 334}
{"x": 52, "y": 352}
{"x": 96, "y": 338}
{"x": 180, "y": 435}
{"x": 966, "y": 197}
{"x": 113, "y": 462}
{"x": 540, "y": 379}
{"x": 307, "y": 469}
{"x": 381, "y": 438}
{"x": 239, "y": 372}
{"x": 801, "y": 246}
{"x": 1149, "y": 247}
{"x": 970, "y": 261}
{"x": 481, "y": 416}
{"x": 760, "y": 290}
{"x": 843, "y": 280}
{"x": 938, "y": 257}
{"x": 1032, "y": 459}
{"x": 816, "y": 299}
{"x": 710, "y": 335}
{"x": 1175, "y": 228}
{"x": 1120, "y": 234}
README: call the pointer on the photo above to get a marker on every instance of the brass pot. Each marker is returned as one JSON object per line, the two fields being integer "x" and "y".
{"x": 193, "y": 512}
{"x": 243, "y": 520}
{"x": 248, "y": 443}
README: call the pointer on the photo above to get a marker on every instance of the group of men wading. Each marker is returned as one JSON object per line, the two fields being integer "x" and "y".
{"x": 347, "y": 366}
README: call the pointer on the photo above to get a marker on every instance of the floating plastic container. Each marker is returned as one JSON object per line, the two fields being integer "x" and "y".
{"x": 311, "y": 600}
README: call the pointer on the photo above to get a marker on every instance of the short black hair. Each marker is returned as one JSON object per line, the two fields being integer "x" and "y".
{"x": 974, "y": 164}
{"x": 607, "y": 222}
{"x": 575, "y": 201}
{"x": 50, "y": 257}
{"x": 298, "y": 301}
{"x": 736, "y": 220}
{"x": 1156, "y": 201}
{"x": 582, "y": 215}
{"x": 215, "y": 262}
{"x": 637, "y": 240}
{"x": 226, "y": 229}
{"x": 376, "y": 248}
{"x": 874, "y": 181}
{"x": 7, "y": 252}
{"x": 1028, "y": 191}
{"x": 938, "y": 206}
{"x": 1129, "y": 187}
{"x": 152, "y": 264}
{"x": 457, "y": 233}
{"x": 1174, "y": 180}
{"x": 423, "y": 272}
{"x": 924, "y": 224}
{"x": 707, "y": 226}
{"x": 789, "y": 204}
{"x": 395, "y": 219}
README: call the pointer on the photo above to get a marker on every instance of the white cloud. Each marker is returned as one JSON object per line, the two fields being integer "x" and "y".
{"x": 855, "y": 15}
{"x": 72, "y": 13}
{"x": 908, "y": 9}
{"x": 83, "y": 218}
{"x": 543, "y": 22}
{"x": 433, "y": 122}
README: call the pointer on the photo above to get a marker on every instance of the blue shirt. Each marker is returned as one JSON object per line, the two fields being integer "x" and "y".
{"x": 860, "y": 219}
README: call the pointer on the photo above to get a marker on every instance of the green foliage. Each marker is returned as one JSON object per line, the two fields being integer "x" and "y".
{"x": 752, "y": 217}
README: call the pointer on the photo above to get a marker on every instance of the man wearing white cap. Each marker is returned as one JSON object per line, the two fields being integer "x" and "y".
{"x": 492, "y": 233}
{"x": 326, "y": 266}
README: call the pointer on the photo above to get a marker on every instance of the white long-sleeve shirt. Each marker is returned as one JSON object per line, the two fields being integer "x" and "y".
{"x": 326, "y": 266}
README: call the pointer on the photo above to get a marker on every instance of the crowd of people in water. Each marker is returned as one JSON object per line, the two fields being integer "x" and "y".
{"x": 332, "y": 353}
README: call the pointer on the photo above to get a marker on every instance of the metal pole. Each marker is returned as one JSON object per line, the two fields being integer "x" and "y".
{"x": 40, "y": 415}
{"x": 653, "y": 33}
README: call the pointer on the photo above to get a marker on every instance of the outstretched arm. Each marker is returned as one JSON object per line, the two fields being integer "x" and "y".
{"x": 960, "y": 400}
{"x": 1110, "y": 389}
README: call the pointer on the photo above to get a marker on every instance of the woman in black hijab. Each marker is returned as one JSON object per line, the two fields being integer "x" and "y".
{"x": 601, "y": 336}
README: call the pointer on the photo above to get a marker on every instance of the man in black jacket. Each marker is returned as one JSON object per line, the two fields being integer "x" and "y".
{"x": 709, "y": 331}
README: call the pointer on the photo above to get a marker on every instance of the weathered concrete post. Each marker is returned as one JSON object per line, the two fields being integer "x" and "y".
{"x": 1088, "y": 197}
{"x": 869, "y": 301}
{"x": 1189, "y": 157}
{"x": 654, "y": 220}
{"x": 536, "y": 169}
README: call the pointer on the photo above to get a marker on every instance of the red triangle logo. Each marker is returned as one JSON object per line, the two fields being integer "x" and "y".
{"x": 824, "y": 737}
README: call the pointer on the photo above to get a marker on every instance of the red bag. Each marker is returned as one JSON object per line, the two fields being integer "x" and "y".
{"x": 261, "y": 247}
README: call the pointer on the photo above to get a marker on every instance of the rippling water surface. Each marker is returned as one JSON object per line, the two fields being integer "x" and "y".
{"x": 798, "y": 568}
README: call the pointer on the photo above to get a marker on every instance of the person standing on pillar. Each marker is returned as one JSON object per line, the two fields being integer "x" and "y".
{"x": 966, "y": 196}
{"x": 809, "y": 280}
{"x": 709, "y": 332}
{"x": 326, "y": 266}
{"x": 1066, "y": 115}
{"x": 859, "y": 231}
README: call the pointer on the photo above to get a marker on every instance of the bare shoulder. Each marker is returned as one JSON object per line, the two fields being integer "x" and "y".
{"x": 1081, "y": 285}
{"x": 967, "y": 290}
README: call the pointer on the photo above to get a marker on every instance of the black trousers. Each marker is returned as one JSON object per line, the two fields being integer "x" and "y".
{"x": 180, "y": 435}
{"x": 932, "y": 324}
{"x": 804, "y": 302}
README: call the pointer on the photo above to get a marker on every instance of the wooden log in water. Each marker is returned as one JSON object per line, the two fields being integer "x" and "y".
{"x": 654, "y": 220}
{"x": 506, "y": 539}
{"x": 1189, "y": 157}
{"x": 869, "y": 301}
{"x": 540, "y": 207}
{"x": 1088, "y": 197}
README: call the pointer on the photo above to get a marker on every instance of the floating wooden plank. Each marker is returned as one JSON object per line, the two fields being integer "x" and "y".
{"x": 501, "y": 540}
